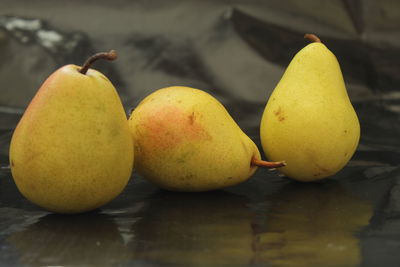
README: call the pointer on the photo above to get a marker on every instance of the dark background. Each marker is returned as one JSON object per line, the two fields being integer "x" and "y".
{"x": 237, "y": 51}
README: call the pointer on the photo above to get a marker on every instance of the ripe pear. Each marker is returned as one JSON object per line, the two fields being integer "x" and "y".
{"x": 185, "y": 140}
{"x": 72, "y": 150}
{"x": 309, "y": 120}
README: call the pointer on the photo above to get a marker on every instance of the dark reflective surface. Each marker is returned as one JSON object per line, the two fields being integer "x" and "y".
{"x": 70, "y": 240}
{"x": 313, "y": 225}
{"x": 237, "y": 51}
{"x": 267, "y": 221}
{"x": 190, "y": 229}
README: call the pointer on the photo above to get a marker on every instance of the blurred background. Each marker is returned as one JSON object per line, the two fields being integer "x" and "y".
{"x": 237, "y": 50}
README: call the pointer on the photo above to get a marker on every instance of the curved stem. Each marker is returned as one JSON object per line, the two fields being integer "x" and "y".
{"x": 112, "y": 55}
{"x": 267, "y": 164}
{"x": 312, "y": 37}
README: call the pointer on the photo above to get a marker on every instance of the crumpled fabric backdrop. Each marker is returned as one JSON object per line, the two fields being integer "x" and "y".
{"x": 236, "y": 50}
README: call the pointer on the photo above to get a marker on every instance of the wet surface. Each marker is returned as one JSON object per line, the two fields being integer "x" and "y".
{"x": 237, "y": 51}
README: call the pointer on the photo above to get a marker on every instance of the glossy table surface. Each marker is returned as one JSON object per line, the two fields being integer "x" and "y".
{"x": 348, "y": 220}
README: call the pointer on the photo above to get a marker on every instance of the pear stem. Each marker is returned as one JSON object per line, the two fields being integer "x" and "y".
{"x": 112, "y": 55}
{"x": 267, "y": 164}
{"x": 312, "y": 37}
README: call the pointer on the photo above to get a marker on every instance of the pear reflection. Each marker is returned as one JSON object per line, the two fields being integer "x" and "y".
{"x": 312, "y": 225}
{"x": 195, "y": 229}
{"x": 87, "y": 239}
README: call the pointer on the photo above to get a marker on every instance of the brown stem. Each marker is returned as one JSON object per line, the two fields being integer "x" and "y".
{"x": 312, "y": 37}
{"x": 267, "y": 164}
{"x": 112, "y": 55}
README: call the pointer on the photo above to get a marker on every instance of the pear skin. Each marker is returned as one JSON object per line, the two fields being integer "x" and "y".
{"x": 185, "y": 140}
{"x": 72, "y": 150}
{"x": 309, "y": 120}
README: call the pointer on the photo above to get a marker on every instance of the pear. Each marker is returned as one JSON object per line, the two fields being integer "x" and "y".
{"x": 309, "y": 120}
{"x": 72, "y": 150}
{"x": 185, "y": 140}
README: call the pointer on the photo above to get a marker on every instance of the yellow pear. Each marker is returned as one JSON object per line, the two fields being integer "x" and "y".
{"x": 309, "y": 120}
{"x": 72, "y": 150}
{"x": 185, "y": 140}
